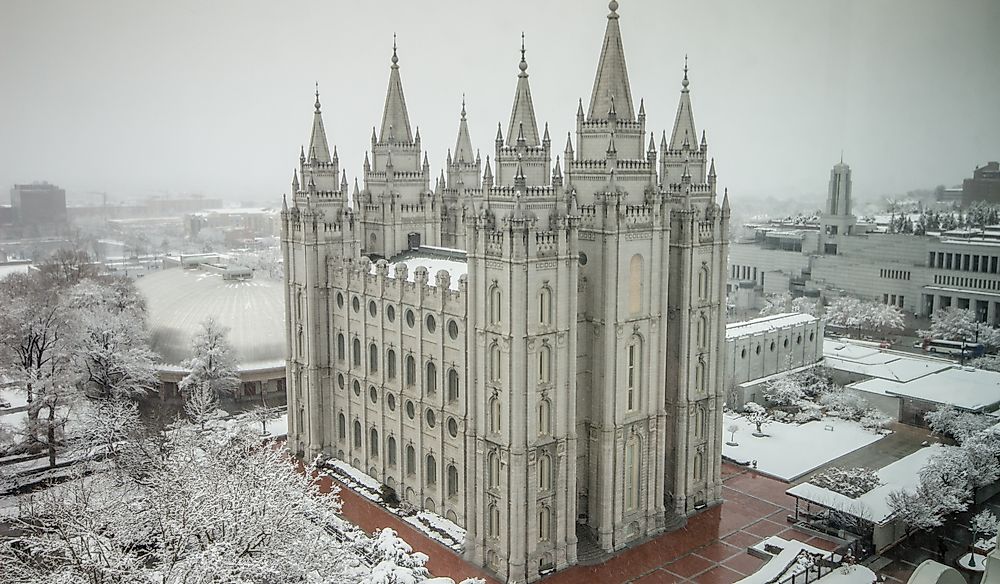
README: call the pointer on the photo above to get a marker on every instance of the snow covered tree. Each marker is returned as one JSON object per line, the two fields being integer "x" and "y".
{"x": 983, "y": 524}
{"x": 732, "y": 429}
{"x": 756, "y": 415}
{"x": 986, "y": 362}
{"x": 853, "y": 313}
{"x": 960, "y": 324}
{"x": 213, "y": 361}
{"x": 947, "y": 420}
{"x": 776, "y": 304}
{"x": 875, "y": 420}
{"x": 844, "y": 404}
{"x": 201, "y": 403}
{"x": 263, "y": 414}
{"x": 110, "y": 423}
{"x": 394, "y": 561}
{"x": 851, "y": 482}
{"x": 784, "y": 391}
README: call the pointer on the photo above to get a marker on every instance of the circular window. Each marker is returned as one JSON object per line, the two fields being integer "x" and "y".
{"x": 340, "y": 380}
{"x": 356, "y": 304}
{"x": 758, "y": 349}
{"x": 811, "y": 337}
{"x": 772, "y": 346}
{"x": 390, "y": 313}
{"x": 786, "y": 343}
{"x": 453, "y": 427}
{"x": 372, "y": 309}
{"x": 798, "y": 340}
{"x": 373, "y": 394}
{"x": 410, "y": 411}
{"x": 340, "y": 300}
{"x": 583, "y": 259}
{"x": 431, "y": 323}
{"x": 390, "y": 400}
{"x": 743, "y": 354}
{"x": 453, "y": 329}
{"x": 357, "y": 387}
{"x": 410, "y": 318}
{"x": 430, "y": 418}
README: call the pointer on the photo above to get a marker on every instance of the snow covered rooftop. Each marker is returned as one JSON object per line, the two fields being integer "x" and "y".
{"x": 767, "y": 323}
{"x": 963, "y": 387}
{"x": 873, "y": 506}
{"x": 434, "y": 259}
{"x": 871, "y": 361}
{"x": 14, "y": 268}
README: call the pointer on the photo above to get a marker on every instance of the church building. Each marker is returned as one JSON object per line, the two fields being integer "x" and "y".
{"x": 529, "y": 344}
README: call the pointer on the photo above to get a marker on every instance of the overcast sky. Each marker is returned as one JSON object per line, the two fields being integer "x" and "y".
{"x": 137, "y": 98}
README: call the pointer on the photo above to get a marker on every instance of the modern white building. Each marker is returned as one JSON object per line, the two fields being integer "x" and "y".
{"x": 549, "y": 374}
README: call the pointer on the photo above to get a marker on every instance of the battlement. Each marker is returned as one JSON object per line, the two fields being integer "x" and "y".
{"x": 634, "y": 164}
{"x": 527, "y": 153}
{"x": 397, "y": 175}
{"x": 697, "y": 188}
{"x": 509, "y": 192}
{"x": 682, "y": 155}
{"x": 625, "y": 126}
{"x": 300, "y": 195}
{"x": 416, "y": 287}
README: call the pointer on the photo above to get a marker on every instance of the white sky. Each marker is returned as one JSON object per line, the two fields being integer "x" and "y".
{"x": 136, "y": 97}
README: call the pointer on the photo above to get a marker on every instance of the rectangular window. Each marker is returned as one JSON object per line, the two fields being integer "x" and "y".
{"x": 930, "y": 261}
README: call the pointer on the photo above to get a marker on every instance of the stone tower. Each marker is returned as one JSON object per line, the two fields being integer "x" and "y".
{"x": 838, "y": 217}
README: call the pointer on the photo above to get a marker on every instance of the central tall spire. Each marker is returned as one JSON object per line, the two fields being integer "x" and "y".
{"x": 463, "y": 146}
{"x": 612, "y": 75}
{"x": 318, "y": 145}
{"x": 395, "y": 121}
{"x": 684, "y": 130}
{"x": 522, "y": 116}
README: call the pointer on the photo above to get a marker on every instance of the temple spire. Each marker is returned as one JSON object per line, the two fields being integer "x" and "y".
{"x": 684, "y": 122}
{"x": 523, "y": 112}
{"x": 612, "y": 74}
{"x": 317, "y": 141}
{"x": 395, "y": 120}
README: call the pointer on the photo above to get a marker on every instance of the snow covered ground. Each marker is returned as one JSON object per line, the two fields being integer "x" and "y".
{"x": 792, "y": 450}
{"x": 788, "y": 562}
{"x": 12, "y": 398}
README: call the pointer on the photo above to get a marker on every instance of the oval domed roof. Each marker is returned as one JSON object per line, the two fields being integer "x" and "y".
{"x": 179, "y": 300}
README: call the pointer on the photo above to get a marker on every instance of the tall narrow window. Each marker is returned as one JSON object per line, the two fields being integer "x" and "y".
{"x": 452, "y": 385}
{"x": 411, "y": 370}
{"x": 373, "y": 442}
{"x": 544, "y": 523}
{"x": 340, "y": 347}
{"x": 697, "y": 472}
{"x": 635, "y": 284}
{"x": 493, "y": 528}
{"x": 703, "y": 282}
{"x": 699, "y": 422}
{"x": 356, "y": 346}
{"x": 432, "y": 383}
{"x": 372, "y": 357}
{"x": 495, "y": 414}
{"x": 493, "y": 470}
{"x": 431, "y": 470}
{"x": 632, "y": 474}
{"x": 545, "y": 305}
{"x": 390, "y": 363}
{"x": 357, "y": 434}
{"x": 700, "y": 375}
{"x": 391, "y": 447}
{"x": 495, "y": 363}
{"x": 341, "y": 426}
{"x": 702, "y": 331}
{"x": 495, "y": 300}
{"x": 411, "y": 460}
{"x": 633, "y": 373}
{"x": 544, "y": 417}
{"x": 544, "y": 472}
{"x": 452, "y": 480}
{"x": 544, "y": 364}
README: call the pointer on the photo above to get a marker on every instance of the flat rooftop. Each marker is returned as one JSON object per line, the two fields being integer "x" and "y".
{"x": 767, "y": 323}
{"x": 434, "y": 259}
{"x": 873, "y": 362}
{"x": 963, "y": 387}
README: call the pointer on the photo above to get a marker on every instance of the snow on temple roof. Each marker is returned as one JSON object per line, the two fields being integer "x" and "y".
{"x": 874, "y": 362}
{"x": 963, "y": 387}
{"x": 873, "y": 506}
{"x": 766, "y": 324}
{"x": 434, "y": 259}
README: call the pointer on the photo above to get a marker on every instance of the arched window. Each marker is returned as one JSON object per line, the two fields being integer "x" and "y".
{"x": 411, "y": 460}
{"x": 432, "y": 383}
{"x": 373, "y": 442}
{"x": 452, "y": 385}
{"x": 372, "y": 357}
{"x": 544, "y": 472}
{"x": 452, "y": 480}
{"x": 703, "y": 331}
{"x": 357, "y": 352}
{"x": 704, "y": 281}
{"x": 341, "y": 426}
{"x": 635, "y": 284}
{"x": 544, "y": 364}
{"x": 495, "y": 414}
{"x": 495, "y": 363}
{"x": 390, "y": 363}
{"x": 431, "y": 471}
{"x": 340, "y": 347}
{"x": 357, "y": 434}
{"x": 495, "y": 300}
{"x": 391, "y": 447}
{"x": 545, "y": 305}
{"x": 697, "y": 472}
{"x": 699, "y": 422}
{"x": 633, "y": 373}
{"x": 493, "y": 527}
{"x": 632, "y": 462}
{"x": 411, "y": 370}
{"x": 700, "y": 374}
{"x": 544, "y": 417}
{"x": 493, "y": 470}
{"x": 544, "y": 523}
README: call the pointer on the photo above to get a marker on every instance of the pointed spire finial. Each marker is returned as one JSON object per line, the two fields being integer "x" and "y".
{"x": 284, "y": 202}
{"x": 463, "y": 107}
{"x": 545, "y": 137}
{"x": 302, "y": 153}
{"x": 711, "y": 169}
{"x": 684, "y": 83}
{"x": 725, "y": 200}
{"x": 395, "y": 58}
{"x": 499, "y": 132}
{"x": 523, "y": 65}
{"x": 317, "y": 97}
{"x": 652, "y": 143}
{"x": 642, "y": 107}
{"x": 613, "y": 7}
{"x": 579, "y": 109}
{"x": 569, "y": 144}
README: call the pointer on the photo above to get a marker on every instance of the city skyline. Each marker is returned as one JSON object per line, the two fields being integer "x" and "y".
{"x": 220, "y": 92}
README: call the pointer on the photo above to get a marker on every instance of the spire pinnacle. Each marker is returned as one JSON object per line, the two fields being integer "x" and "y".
{"x": 652, "y": 143}
{"x": 317, "y": 97}
{"x": 395, "y": 58}
{"x": 499, "y": 132}
{"x": 395, "y": 119}
{"x": 685, "y": 82}
{"x": 725, "y": 201}
{"x": 488, "y": 174}
{"x": 356, "y": 190}
{"x": 569, "y": 145}
{"x": 642, "y": 108}
{"x": 302, "y": 153}
{"x": 684, "y": 122}
{"x": 612, "y": 73}
{"x": 523, "y": 65}
{"x": 545, "y": 137}
{"x": 523, "y": 111}
{"x": 295, "y": 180}
{"x": 463, "y": 107}
{"x": 557, "y": 170}
{"x": 579, "y": 109}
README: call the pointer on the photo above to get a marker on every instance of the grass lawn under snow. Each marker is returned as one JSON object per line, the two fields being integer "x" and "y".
{"x": 792, "y": 450}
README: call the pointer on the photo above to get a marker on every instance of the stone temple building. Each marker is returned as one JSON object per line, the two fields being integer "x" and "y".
{"x": 529, "y": 345}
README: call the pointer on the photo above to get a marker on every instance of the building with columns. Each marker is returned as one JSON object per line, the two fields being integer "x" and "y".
{"x": 531, "y": 348}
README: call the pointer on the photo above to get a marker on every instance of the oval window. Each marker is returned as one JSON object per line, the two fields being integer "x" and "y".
{"x": 373, "y": 394}
{"x": 356, "y": 304}
{"x": 453, "y": 427}
{"x": 410, "y": 319}
{"x": 583, "y": 259}
{"x": 431, "y": 420}
{"x": 357, "y": 387}
{"x": 431, "y": 323}
{"x": 410, "y": 411}
{"x": 390, "y": 400}
{"x": 340, "y": 380}
{"x": 453, "y": 329}
{"x": 340, "y": 300}
{"x": 372, "y": 309}
{"x": 390, "y": 313}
